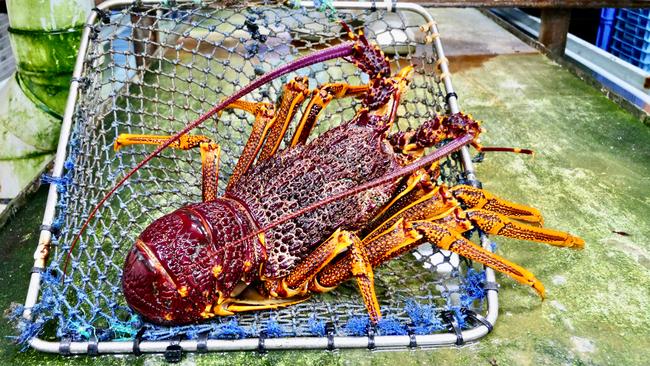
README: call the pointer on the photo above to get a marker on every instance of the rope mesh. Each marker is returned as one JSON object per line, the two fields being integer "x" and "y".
{"x": 153, "y": 70}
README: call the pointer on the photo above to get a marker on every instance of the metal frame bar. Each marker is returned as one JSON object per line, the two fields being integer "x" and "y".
{"x": 115, "y": 347}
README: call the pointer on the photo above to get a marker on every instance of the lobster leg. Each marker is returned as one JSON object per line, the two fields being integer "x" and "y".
{"x": 296, "y": 282}
{"x": 263, "y": 117}
{"x": 415, "y": 204}
{"x": 292, "y": 97}
{"x": 436, "y": 216}
{"x": 404, "y": 236}
{"x": 210, "y": 152}
{"x": 481, "y": 199}
{"x": 496, "y": 224}
{"x": 321, "y": 97}
{"x": 515, "y": 150}
{"x": 295, "y": 285}
{"x": 451, "y": 240}
{"x": 355, "y": 263}
{"x": 251, "y": 300}
{"x": 360, "y": 260}
{"x": 270, "y": 125}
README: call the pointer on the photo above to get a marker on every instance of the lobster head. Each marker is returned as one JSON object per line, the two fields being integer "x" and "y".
{"x": 184, "y": 266}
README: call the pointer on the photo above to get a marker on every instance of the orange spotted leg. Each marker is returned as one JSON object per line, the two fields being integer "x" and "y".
{"x": 358, "y": 266}
{"x": 293, "y": 96}
{"x": 515, "y": 150}
{"x": 321, "y": 97}
{"x": 293, "y": 288}
{"x": 295, "y": 283}
{"x": 210, "y": 153}
{"x": 496, "y": 224}
{"x": 270, "y": 125}
{"x": 447, "y": 239}
{"x": 359, "y": 261}
{"x": 263, "y": 113}
{"x": 481, "y": 199}
{"x": 404, "y": 236}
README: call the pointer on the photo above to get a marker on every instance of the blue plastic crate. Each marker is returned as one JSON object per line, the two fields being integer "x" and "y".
{"x": 623, "y": 46}
{"x": 629, "y": 53}
{"x": 631, "y": 37}
{"x": 641, "y": 43}
{"x": 636, "y": 28}
{"x": 606, "y": 27}
{"x": 633, "y": 61}
{"x": 637, "y": 17}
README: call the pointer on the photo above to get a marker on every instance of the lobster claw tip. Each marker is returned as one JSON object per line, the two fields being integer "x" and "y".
{"x": 539, "y": 288}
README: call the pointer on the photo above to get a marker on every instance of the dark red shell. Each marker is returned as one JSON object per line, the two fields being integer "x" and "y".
{"x": 185, "y": 259}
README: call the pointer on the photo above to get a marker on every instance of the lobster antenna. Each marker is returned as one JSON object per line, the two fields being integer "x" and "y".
{"x": 342, "y": 50}
{"x": 447, "y": 149}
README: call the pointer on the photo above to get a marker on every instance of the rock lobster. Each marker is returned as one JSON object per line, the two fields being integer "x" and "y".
{"x": 305, "y": 219}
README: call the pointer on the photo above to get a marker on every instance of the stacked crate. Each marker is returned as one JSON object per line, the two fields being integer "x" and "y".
{"x": 631, "y": 37}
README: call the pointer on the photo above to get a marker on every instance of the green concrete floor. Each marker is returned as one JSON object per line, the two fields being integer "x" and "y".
{"x": 591, "y": 176}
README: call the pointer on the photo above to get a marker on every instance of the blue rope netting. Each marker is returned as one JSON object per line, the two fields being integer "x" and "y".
{"x": 88, "y": 301}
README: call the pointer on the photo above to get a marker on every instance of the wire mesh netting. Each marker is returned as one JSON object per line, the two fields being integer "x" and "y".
{"x": 152, "y": 70}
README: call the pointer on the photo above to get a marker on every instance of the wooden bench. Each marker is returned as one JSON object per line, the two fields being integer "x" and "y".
{"x": 556, "y": 14}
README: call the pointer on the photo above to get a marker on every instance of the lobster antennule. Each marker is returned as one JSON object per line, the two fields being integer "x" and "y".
{"x": 342, "y": 50}
{"x": 447, "y": 149}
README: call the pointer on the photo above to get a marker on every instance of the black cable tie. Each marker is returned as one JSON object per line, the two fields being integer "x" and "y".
{"x": 471, "y": 182}
{"x": 261, "y": 348}
{"x": 37, "y": 270}
{"x": 202, "y": 343}
{"x": 491, "y": 286}
{"x": 83, "y": 82}
{"x": 102, "y": 15}
{"x": 52, "y": 230}
{"x": 136, "y": 342}
{"x": 477, "y": 317}
{"x": 92, "y": 346}
{"x": 449, "y": 317}
{"x": 174, "y": 352}
{"x": 94, "y": 32}
{"x": 475, "y": 183}
{"x": 329, "y": 331}
{"x": 64, "y": 346}
{"x": 449, "y": 95}
{"x": 479, "y": 157}
{"x": 371, "y": 337}
{"x": 413, "y": 342}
